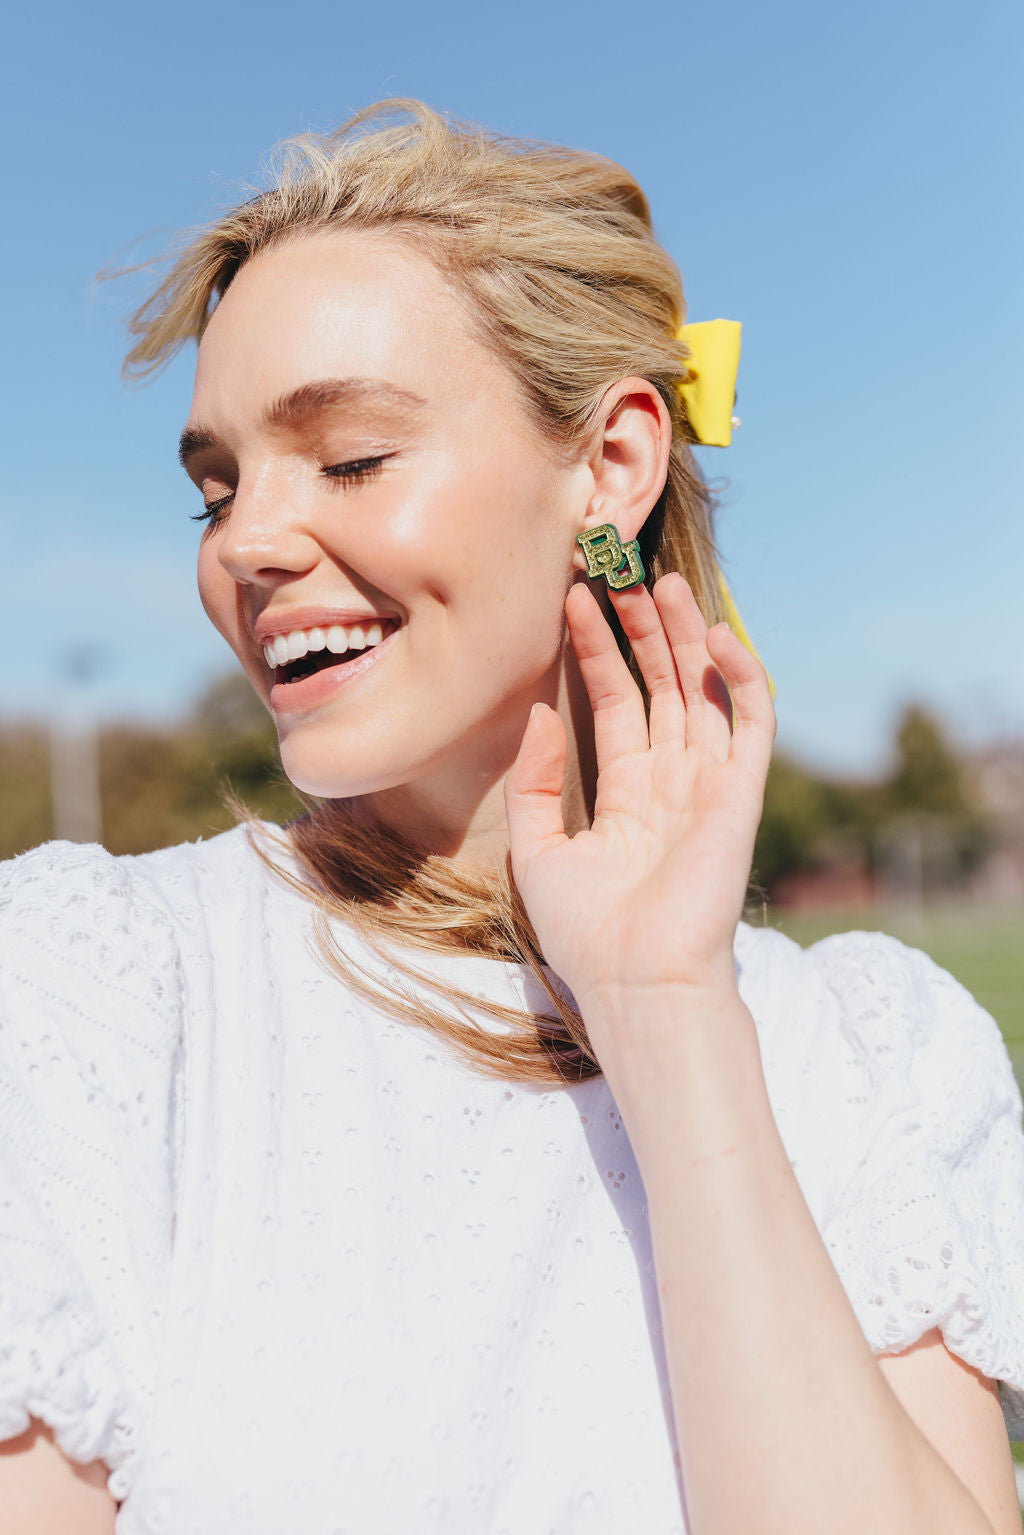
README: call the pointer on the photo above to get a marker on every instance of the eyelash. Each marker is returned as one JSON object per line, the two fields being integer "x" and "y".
{"x": 358, "y": 472}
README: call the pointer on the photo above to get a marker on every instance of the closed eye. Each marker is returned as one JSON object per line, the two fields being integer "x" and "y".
{"x": 211, "y": 510}
{"x": 357, "y": 472}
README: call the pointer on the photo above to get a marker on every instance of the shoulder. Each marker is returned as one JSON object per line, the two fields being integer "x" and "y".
{"x": 73, "y": 916}
{"x": 63, "y": 887}
{"x": 225, "y": 871}
{"x": 841, "y": 963}
{"x": 896, "y": 1099}
{"x": 91, "y": 1053}
{"x": 85, "y": 877}
{"x": 89, "y": 934}
{"x": 874, "y": 1054}
{"x": 90, "y": 977}
{"x": 141, "y": 924}
{"x": 66, "y": 876}
{"x": 865, "y": 1030}
{"x": 887, "y": 1004}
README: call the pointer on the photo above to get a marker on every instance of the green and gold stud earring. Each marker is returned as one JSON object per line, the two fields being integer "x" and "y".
{"x": 605, "y": 553}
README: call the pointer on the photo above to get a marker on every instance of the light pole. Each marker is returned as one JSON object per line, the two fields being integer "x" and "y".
{"x": 75, "y": 749}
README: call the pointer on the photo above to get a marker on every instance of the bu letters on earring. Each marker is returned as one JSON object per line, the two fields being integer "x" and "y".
{"x": 605, "y": 554}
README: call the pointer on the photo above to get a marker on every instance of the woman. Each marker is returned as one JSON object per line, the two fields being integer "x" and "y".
{"x": 459, "y": 1160}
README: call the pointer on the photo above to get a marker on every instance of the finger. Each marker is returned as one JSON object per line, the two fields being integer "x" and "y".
{"x": 753, "y": 710}
{"x": 708, "y": 712}
{"x": 642, "y": 624}
{"x": 620, "y": 723}
{"x": 533, "y": 789}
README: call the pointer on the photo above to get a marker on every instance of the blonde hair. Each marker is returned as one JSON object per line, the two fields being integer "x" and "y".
{"x": 554, "y": 250}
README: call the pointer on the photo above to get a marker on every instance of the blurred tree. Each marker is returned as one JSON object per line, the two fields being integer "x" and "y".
{"x": 931, "y": 829}
{"x": 810, "y": 822}
{"x": 25, "y": 813}
{"x": 231, "y": 706}
{"x": 165, "y": 787}
{"x": 918, "y": 825}
{"x": 158, "y": 786}
{"x": 927, "y": 776}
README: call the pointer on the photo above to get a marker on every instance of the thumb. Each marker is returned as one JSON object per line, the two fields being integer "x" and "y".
{"x": 533, "y": 789}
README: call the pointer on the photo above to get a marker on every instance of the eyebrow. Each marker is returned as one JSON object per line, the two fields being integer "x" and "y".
{"x": 305, "y": 403}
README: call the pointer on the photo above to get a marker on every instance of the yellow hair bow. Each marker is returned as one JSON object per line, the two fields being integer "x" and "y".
{"x": 709, "y": 393}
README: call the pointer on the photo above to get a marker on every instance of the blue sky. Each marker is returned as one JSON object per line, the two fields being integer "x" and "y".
{"x": 843, "y": 179}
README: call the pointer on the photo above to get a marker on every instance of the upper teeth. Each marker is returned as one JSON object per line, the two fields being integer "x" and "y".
{"x": 337, "y": 638}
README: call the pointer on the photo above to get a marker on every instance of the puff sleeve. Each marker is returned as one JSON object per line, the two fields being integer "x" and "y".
{"x": 90, "y": 1007}
{"x": 927, "y": 1226}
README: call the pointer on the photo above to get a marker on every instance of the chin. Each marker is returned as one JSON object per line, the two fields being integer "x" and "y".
{"x": 324, "y": 773}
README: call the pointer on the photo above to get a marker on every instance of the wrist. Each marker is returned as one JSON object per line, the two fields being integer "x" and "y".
{"x": 688, "y": 1081}
{"x": 647, "y": 1038}
{"x": 639, "y": 1004}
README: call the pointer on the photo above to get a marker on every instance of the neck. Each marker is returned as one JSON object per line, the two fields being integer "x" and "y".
{"x": 458, "y": 811}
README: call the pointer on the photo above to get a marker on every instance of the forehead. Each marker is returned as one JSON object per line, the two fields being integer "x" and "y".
{"x": 342, "y": 304}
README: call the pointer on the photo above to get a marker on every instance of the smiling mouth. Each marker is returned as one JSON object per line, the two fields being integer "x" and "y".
{"x": 323, "y": 649}
{"x": 294, "y": 671}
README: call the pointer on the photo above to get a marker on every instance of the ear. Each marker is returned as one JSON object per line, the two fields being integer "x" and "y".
{"x": 628, "y": 459}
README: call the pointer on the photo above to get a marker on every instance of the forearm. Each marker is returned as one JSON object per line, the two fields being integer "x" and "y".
{"x": 761, "y": 1341}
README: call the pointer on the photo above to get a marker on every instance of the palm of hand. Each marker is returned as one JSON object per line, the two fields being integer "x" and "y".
{"x": 650, "y": 895}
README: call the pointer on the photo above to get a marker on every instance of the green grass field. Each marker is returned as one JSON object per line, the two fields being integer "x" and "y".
{"x": 983, "y": 946}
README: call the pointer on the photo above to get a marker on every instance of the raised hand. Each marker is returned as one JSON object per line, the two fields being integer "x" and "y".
{"x": 650, "y": 896}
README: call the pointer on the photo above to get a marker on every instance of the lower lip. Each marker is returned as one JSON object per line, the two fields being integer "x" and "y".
{"x": 319, "y": 687}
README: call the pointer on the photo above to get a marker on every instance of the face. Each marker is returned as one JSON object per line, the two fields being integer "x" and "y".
{"x": 372, "y": 469}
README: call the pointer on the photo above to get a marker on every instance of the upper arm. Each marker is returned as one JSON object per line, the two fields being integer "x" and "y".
{"x": 91, "y": 1047}
{"x": 957, "y": 1410}
{"x": 42, "y": 1492}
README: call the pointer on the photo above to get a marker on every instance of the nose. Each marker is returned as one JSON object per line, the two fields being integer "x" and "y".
{"x": 265, "y": 539}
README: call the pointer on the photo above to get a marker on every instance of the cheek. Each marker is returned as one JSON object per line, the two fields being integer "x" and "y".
{"x": 512, "y": 571}
{"x": 216, "y": 592}
{"x": 509, "y": 532}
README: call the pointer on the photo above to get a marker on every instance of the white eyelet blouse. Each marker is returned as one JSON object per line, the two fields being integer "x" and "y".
{"x": 287, "y": 1264}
